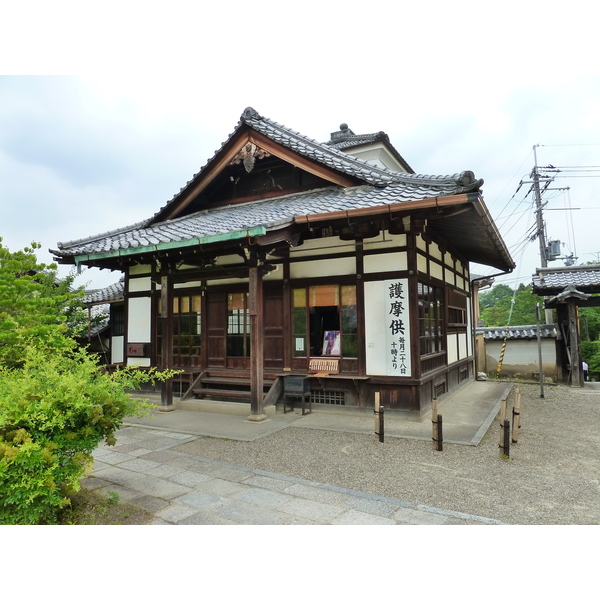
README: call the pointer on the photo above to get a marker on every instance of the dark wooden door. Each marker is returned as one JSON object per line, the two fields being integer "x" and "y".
{"x": 274, "y": 339}
{"x": 216, "y": 330}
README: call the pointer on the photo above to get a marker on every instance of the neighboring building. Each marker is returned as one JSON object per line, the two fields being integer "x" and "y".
{"x": 565, "y": 290}
{"x": 519, "y": 349}
{"x": 285, "y": 256}
{"x": 106, "y": 336}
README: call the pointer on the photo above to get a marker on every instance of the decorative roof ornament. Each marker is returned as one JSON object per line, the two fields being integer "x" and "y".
{"x": 248, "y": 155}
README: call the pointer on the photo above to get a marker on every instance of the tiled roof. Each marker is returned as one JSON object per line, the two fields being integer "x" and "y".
{"x": 335, "y": 159}
{"x": 381, "y": 187}
{"x": 521, "y": 332}
{"x": 269, "y": 213}
{"x": 585, "y": 278}
{"x": 112, "y": 293}
{"x": 345, "y": 138}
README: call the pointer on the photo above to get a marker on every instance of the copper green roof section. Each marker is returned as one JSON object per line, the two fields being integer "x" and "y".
{"x": 209, "y": 239}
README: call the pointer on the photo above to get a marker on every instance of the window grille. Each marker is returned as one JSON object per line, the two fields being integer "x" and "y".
{"x": 328, "y": 397}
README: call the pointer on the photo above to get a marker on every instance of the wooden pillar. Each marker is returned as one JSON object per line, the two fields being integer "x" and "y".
{"x": 256, "y": 343}
{"x": 576, "y": 374}
{"x": 166, "y": 322}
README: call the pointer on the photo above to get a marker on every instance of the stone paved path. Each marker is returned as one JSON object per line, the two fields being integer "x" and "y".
{"x": 145, "y": 469}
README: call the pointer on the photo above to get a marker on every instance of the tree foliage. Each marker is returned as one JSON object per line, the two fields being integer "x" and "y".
{"x": 495, "y": 306}
{"x": 36, "y": 307}
{"x": 56, "y": 404}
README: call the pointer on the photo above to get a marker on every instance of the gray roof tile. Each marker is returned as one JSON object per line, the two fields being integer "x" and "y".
{"x": 520, "y": 332}
{"x": 112, "y": 293}
{"x": 586, "y": 278}
{"x": 381, "y": 186}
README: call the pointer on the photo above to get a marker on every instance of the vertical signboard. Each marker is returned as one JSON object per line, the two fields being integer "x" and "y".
{"x": 397, "y": 323}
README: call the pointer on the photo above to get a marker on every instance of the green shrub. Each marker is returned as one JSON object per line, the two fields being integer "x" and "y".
{"x": 54, "y": 411}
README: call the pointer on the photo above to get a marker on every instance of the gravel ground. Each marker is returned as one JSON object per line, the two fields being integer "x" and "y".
{"x": 551, "y": 477}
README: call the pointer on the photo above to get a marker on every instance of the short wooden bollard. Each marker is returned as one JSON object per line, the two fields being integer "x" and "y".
{"x": 516, "y": 420}
{"x": 436, "y": 427}
{"x": 506, "y": 438}
{"x": 378, "y": 417}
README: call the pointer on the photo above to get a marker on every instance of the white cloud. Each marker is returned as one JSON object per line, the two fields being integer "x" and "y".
{"x": 156, "y": 90}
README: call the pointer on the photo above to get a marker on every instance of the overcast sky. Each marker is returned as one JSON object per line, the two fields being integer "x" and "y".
{"x": 104, "y": 117}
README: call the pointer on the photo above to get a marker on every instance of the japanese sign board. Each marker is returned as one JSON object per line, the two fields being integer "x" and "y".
{"x": 397, "y": 326}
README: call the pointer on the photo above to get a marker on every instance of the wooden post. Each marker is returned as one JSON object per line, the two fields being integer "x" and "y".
{"x": 576, "y": 375}
{"x": 379, "y": 424}
{"x": 166, "y": 322}
{"x": 516, "y": 424}
{"x": 434, "y": 421}
{"x": 256, "y": 344}
{"x": 502, "y": 427}
{"x": 539, "y": 340}
{"x": 440, "y": 436}
{"x": 506, "y": 442}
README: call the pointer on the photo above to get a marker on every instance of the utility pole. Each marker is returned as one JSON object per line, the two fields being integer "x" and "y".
{"x": 540, "y": 223}
{"x": 538, "y": 212}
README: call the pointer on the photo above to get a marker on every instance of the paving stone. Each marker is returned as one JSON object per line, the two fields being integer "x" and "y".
{"x": 113, "y": 458}
{"x": 223, "y": 487}
{"x": 418, "y": 517}
{"x": 312, "y": 492}
{"x": 120, "y": 476}
{"x": 262, "y": 497}
{"x": 205, "y": 517}
{"x": 201, "y": 500}
{"x": 230, "y": 474}
{"x": 190, "y": 478}
{"x": 155, "y": 486}
{"x": 166, "y": 471}
{"x": 189, "y": 464}
{"x": 309, "y": 509}
{"x": 175, "y": 513}
{"x": 245, "y": 513}
{"x": 150, "y": 503}
{"x": 356, "y": 517}
{"x": 372, "y": 506}
{"x": 139, "y": 465}
{"x": 270, "y": 483}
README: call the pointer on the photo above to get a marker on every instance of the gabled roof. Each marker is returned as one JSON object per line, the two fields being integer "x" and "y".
{"x": 273, "y": 136}
{"x": 584, "y": 278}
{"x": 356, "y": 188}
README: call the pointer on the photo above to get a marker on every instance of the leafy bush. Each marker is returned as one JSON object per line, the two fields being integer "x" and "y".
{"x": 54, "y": 411}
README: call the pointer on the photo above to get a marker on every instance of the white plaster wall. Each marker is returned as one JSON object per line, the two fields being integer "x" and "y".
{"x": 436, "y": 270}
{"x": 323, "y": 268}
{"x": 116, "y": 349}
{"x": 375, "y": 327}
{"x": 384, "y": 263}
{"x": 140, "y": 269}
{"x": 135, "y": 361}
{"x": 462, "y": 346}
{"x": 451, "y": 344}
{"x": 385, "y": 240}
{"x": 143, "y": 284}
{"x": 521, "y": 356}
{"x": 139, "y": 320}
